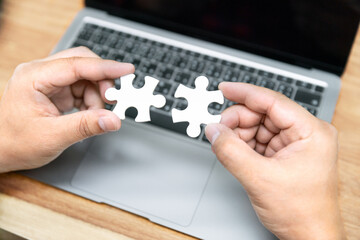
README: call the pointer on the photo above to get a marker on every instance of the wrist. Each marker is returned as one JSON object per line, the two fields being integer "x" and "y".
{"x": 318, "y": 232}
{"x": 4, "y": 154}
{"x": 327, "y": 225}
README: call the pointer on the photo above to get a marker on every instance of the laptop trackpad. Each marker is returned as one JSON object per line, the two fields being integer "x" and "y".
{"x": 146, "y": 172}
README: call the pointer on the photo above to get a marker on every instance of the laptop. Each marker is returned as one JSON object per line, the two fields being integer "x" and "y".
{"x": 154, "y": 170}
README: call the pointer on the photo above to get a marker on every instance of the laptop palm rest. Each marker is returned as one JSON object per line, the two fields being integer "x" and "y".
{"x": 153, "y": 174}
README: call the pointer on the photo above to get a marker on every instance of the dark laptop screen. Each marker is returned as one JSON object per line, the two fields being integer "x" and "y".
{"x": 310, "y": 33}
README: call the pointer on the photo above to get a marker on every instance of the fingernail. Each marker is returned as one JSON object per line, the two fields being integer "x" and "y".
{"x": 107, "y": 124}
{"x": 212, "y": 132}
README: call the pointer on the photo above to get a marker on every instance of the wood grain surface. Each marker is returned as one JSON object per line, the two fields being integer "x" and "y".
{"x": 29, "y": 30}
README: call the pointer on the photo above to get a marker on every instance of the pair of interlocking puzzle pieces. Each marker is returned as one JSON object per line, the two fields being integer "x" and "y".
{"x": 196, "y": 112}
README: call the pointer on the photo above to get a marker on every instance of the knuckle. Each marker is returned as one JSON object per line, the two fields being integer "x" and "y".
{"x": 83, "y": 129}
{"x": 71, "y": 60}
{"x": 85, "y": 51}
{"x": 332, "y": 130}
{"x": 280, "y": 96}
{"x": 21, "y": 67}
{"x": 71, "y": 64}
{"x": 328, "y": 130}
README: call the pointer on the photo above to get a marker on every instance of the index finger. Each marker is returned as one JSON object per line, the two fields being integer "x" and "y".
{"x": 282, "y": 111}
{"x": 82, "y": 52}
{"x": 58, "y": 73}
{"x": 71, "y": 52}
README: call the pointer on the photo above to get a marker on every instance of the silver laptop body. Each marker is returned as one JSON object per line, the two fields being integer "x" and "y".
{"x": 162, "y": 175}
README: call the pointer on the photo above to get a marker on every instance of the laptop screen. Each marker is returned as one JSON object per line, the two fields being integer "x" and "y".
{"x": 309, "y": 33}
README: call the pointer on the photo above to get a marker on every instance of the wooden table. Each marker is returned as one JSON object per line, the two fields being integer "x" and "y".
{"x": 29, "y": 30}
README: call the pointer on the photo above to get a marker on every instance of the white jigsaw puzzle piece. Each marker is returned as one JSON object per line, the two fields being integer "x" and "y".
{"x": 141, "y": 99}
{"x": 198, "y": 100}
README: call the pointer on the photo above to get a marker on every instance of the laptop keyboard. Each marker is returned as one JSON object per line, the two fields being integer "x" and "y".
{"x": 174, "y": 66}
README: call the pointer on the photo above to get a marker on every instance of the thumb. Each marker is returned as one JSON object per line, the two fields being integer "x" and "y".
{"x": 235, "y": 154}
{"x": 77, "y": 126}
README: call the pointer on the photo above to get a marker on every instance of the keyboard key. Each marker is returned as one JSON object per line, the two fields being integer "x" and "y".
{"x": 164, "y": 57}
{"x": 140, "y": 39}
{"x": 175, "y": 49}
{"x": 104, "y": 54}
{"x": 118, "y": 43}
{"x": 163, "y": 88}
{"x": 136, "y": 48}
{"x": 86, "y": 34}
{"x": 213, "y": 85}
{"x": 247, "y": 69}
{"x": 303, "y": 84}
{"x": 181, "y": 105}
{"x": 215, "y": 106}
{"x": 98, "y": 38}
{"x": 308, "y": 98}
{"x": 139, "y": 81}
{"x": 285, "y": 89}
{"x": 191, "y": 53}
{"x": 108, "y": 106}
{"x": 267, "y": 83}
{"x": 183, "y": 78}
{"x": 148, "y": 68}
{"x": 134, "y": 60}
{"x": 197, "y": 65}
{"x": 284, "y": 79}
{"x": 211, "y": 59}
{"x": 228, "y": 64}
{"x": 125, "y": 35}
{"x": 165, "y": 72}
{"x": 151, "y": 52}
{"x": 117, "y": 83}
{"x": 143, "y": 50}
{"x": 168, "y": 106}
{"x": 247, "y": 78}
{"x": 213, "y": 111}
{"x": 131, "y": 47}
{"x": 97, "y": 49}
{"x": 319, "y": 89}
{"x": 231, "y": 75}
{"x": 179, "y": 61}
{"x": 117, "y": 57}
{"x": 157, "y": 44}
{"x": 112, "y": 40}
{"x": 213, "y": 71}
{"x": 266, "y": 74}
{"x": 230, "y": 103}
{"x": 106, "y": 31}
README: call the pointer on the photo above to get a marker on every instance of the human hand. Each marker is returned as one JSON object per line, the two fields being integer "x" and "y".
{"x": 33, "y": 129}
{"x": 285, "y": 159}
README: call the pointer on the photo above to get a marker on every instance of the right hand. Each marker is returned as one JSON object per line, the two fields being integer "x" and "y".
{"x": 284, "y": 157}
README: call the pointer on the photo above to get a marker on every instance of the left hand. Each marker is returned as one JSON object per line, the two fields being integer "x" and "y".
{"x": 33, "y": 129}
